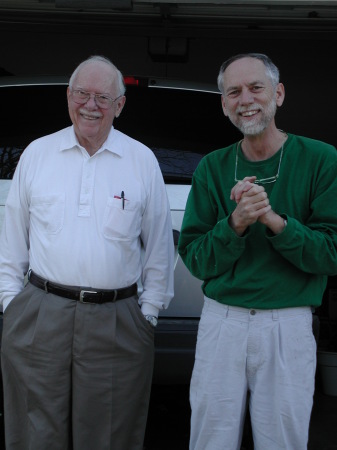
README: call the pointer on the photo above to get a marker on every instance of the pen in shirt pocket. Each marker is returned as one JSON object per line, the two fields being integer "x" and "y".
{"x": 121, "y": 197}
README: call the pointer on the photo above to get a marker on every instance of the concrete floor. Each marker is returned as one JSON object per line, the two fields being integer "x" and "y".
{"x": 169, "y": 415}
{"x": 323, "y": 426}
{"x": 168, "y": 423}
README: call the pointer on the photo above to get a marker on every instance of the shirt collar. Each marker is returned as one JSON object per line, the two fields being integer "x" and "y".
{"x": 70, "y": 141}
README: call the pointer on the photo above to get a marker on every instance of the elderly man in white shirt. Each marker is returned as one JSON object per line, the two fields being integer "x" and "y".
{"x": 88, "y": 217}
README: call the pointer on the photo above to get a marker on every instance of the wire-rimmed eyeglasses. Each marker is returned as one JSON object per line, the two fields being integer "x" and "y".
{"x": 102, "y": 100}
{"x": 261, "y": 180}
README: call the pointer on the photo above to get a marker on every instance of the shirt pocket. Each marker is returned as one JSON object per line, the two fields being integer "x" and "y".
{"x": 47, "y": 212}
{"x": 122, "y": 223}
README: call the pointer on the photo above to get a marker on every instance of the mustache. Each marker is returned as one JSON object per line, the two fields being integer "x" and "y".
{"x": 94, "y": 114}
{"x": 253, "y": 107}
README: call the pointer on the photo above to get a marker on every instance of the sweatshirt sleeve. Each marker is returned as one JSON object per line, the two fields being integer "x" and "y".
{"x": 208, "y": 246}
{"x": 311, "y": 245}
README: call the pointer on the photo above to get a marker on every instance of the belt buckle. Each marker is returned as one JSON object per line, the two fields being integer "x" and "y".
{"x": 82, "y": 293}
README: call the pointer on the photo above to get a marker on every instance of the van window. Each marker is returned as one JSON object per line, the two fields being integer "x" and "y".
{"x": 179, "y": 125}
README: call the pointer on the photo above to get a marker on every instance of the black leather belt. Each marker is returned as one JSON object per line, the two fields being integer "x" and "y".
{"x": 82, "y": 294}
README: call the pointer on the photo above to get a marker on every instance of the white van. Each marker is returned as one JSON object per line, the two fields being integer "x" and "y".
{"x": 181, "y": 122}
{"x": 169, "y": 117}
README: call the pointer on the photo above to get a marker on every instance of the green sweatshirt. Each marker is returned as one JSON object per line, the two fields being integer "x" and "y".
{"x": 262, "y": 270}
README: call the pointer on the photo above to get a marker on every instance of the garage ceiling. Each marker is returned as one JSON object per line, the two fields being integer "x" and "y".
{"x": 313, "y": 14}
{"x": 299, "y": 8}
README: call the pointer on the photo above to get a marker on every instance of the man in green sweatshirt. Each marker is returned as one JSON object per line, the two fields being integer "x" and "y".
{"x": 260, "y": 229}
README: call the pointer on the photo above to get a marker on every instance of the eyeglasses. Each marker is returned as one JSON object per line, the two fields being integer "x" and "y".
{"x": 102, "y": 101}
{"x": 261, "y": 180}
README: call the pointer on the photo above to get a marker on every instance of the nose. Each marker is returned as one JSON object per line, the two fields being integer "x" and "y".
{"x": 246, "y": 96}
{"x": 91, "y": 102}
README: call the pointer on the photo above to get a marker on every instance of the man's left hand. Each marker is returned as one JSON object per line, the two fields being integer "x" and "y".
{"x": 273, "y": 221}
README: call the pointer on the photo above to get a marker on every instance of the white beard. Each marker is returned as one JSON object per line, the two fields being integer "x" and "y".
{"x": 255, "y": 127}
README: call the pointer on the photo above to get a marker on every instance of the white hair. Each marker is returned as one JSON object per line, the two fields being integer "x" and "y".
{"x": 105, "y": 60}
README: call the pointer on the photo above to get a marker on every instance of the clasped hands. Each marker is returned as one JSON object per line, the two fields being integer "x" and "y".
{"x": 252, "y": 206}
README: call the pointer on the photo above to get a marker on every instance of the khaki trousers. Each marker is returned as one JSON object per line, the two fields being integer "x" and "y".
{"x": 76, "y": 376}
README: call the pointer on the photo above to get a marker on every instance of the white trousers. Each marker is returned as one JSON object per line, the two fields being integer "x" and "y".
{"x": 271, "y": 354}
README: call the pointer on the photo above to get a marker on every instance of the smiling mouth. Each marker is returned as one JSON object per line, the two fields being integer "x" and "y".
{"x": 249, "y": 113}
{"x": 88, "y": 117}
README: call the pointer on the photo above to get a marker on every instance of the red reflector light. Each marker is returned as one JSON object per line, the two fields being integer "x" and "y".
{"x": 131, "y": 80}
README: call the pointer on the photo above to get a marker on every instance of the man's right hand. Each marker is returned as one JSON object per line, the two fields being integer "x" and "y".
{"x": 241, "y": 187}
{"x": 252, "y": 203}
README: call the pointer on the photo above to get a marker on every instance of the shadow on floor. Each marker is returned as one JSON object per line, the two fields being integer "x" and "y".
{"x": 169, "y": 415}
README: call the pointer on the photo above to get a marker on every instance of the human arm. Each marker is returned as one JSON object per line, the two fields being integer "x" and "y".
{"x": 14, "y": 240}
{"x": 208, "y": 245}
{"x": 309, "y": 246}
{"x": 158, "y": 256}
{"x": 309, "y": 241}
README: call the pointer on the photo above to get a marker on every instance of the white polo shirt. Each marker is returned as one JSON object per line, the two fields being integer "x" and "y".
{"x": 66, "y": 220}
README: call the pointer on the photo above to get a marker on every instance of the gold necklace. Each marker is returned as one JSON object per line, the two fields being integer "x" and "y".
{"x": 262, "y": 180}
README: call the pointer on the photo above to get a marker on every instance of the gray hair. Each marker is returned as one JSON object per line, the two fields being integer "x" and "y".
{"x": 271, "y": 70}
{"x": 105, "y": 60}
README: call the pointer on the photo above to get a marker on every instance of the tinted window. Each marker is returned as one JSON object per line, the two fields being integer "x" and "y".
{"x": 180, "y": 126}
{"x": 173, "y": 118}
{"x": 28, "y": 112}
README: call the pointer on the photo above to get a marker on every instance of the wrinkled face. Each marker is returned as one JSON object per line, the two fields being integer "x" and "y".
{"x": 250, "y": 100}
{"x": 92, "y": 123}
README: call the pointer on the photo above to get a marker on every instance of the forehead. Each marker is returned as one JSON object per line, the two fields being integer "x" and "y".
{"x": 245, "y": 71}
{"x": 96, "y": 76}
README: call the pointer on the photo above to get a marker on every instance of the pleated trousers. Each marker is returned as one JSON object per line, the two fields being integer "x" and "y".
{"x": 76, "y": 376}
{"x": 270, "y": 354}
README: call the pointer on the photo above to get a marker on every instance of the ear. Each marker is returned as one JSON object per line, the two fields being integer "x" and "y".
{"x": 223, "y": 104}
{"x": 280, "y": 94}
{"x": 120, "y": 105}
